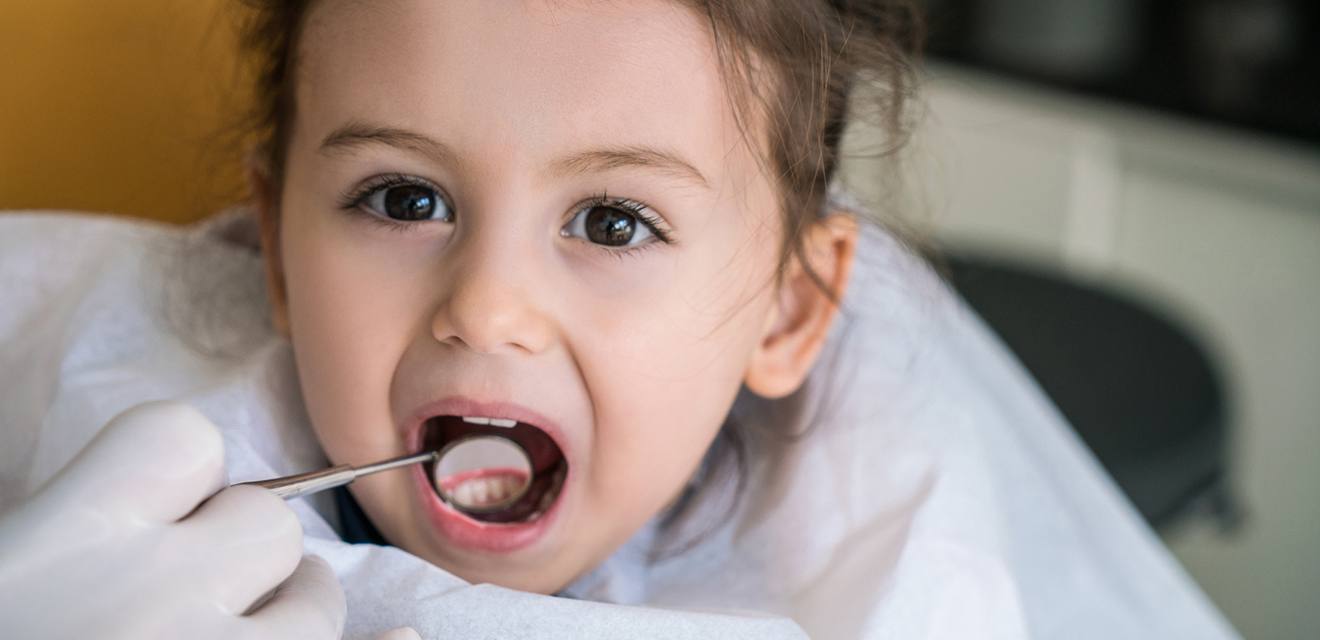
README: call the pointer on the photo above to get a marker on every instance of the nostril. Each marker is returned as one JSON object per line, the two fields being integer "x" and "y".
{"x": 485, "y": 346}
{"x": 511, "y": 328}
{"x": 455, "y": 341}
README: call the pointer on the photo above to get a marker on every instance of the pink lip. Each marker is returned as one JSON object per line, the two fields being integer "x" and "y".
{"x": 455, "y": 527}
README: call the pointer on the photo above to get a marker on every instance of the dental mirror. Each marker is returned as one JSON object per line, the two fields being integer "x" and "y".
{"x": 482, "y": 474}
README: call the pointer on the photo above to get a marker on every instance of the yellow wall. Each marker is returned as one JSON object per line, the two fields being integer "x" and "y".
{"x": 119, "y": 106}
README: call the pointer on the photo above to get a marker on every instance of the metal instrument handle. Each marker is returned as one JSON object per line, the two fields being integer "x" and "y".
{"x": 289, "y": 487}
{"x": 301, "y": 484}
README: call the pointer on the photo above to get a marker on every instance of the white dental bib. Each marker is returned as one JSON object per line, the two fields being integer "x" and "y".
{"x": 939, "y": 495}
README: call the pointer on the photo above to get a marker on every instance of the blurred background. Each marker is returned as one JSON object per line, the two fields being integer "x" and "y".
{"x": 1128, "y": 192}
{"x": 131, "y": 106}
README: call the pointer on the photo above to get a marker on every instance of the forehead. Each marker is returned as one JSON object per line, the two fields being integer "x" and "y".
{"x": 535, "y": 79}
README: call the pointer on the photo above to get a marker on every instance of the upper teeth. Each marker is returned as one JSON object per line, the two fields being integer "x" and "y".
{"x": 494, "y": 422}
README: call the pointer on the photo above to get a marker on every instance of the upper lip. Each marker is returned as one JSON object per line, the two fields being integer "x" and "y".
{"x": 465, "y": 406}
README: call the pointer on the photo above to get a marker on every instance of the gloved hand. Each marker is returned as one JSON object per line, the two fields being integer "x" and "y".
{"x": 124, "y": 543}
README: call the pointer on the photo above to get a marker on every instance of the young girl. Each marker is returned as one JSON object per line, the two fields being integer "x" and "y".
{"x": 607, "y": 223}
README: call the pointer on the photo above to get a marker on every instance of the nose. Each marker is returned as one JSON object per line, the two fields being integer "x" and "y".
{"x": 490, "y": 307}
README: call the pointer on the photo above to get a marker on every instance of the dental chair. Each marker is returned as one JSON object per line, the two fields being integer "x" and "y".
{"x": 1142, "y": 393}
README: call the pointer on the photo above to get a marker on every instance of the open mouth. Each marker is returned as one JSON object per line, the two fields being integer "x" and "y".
{"x": 498, "y": 493}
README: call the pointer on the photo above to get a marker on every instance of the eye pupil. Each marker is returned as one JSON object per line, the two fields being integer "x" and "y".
{"x": 610, "y": 226}
{"x": 410, "y": 202}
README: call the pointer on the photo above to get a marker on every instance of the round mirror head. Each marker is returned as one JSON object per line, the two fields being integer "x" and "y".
{"x": 482, "y": 474}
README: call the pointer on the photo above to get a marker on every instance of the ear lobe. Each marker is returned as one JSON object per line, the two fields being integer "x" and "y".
{"x": 265, "y": 199}
{"x": 798, "y": 325}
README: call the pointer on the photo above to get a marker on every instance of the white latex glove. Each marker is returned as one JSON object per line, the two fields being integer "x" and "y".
{"x": 123, "y": 543}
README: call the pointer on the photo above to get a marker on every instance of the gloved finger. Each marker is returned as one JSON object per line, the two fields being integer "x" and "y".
{"x": 310, "y": 604}
{"x": 249, "y": 542}
{"x": 402, "y": 633}
{"x": 153, "y": 462}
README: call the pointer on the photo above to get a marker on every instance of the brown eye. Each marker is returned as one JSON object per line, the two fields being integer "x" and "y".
{"x": 408, "y": 203}
{"x": 610, "y": 226}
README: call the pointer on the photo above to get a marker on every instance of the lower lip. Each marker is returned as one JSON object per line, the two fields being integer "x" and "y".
{"x": 490, "y": 537}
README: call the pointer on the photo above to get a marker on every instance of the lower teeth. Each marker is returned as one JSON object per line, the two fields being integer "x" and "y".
{"x": 485, "y": 492}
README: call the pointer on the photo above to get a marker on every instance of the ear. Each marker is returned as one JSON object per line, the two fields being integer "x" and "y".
{"x": 799, "y": 322}
{"x": 265, "y": 198}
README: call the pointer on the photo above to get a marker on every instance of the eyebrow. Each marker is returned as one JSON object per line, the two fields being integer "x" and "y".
{"x": 597, "y": 160}
{"x": 356, "y": 134}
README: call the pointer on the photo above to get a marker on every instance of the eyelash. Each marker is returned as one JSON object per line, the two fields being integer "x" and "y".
{"x": 634, "y": 208}
{"x": 351, "y": 201}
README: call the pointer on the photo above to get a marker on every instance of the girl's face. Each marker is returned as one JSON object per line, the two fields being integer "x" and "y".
{"x": 593, "y": 256}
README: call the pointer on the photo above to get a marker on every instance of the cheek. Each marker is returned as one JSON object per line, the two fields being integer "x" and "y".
{"x": 655, "y": 424}
{"x": 688, "y": 310}
{"x": 349, "y": 321}
{"x": 669, "y": 366}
